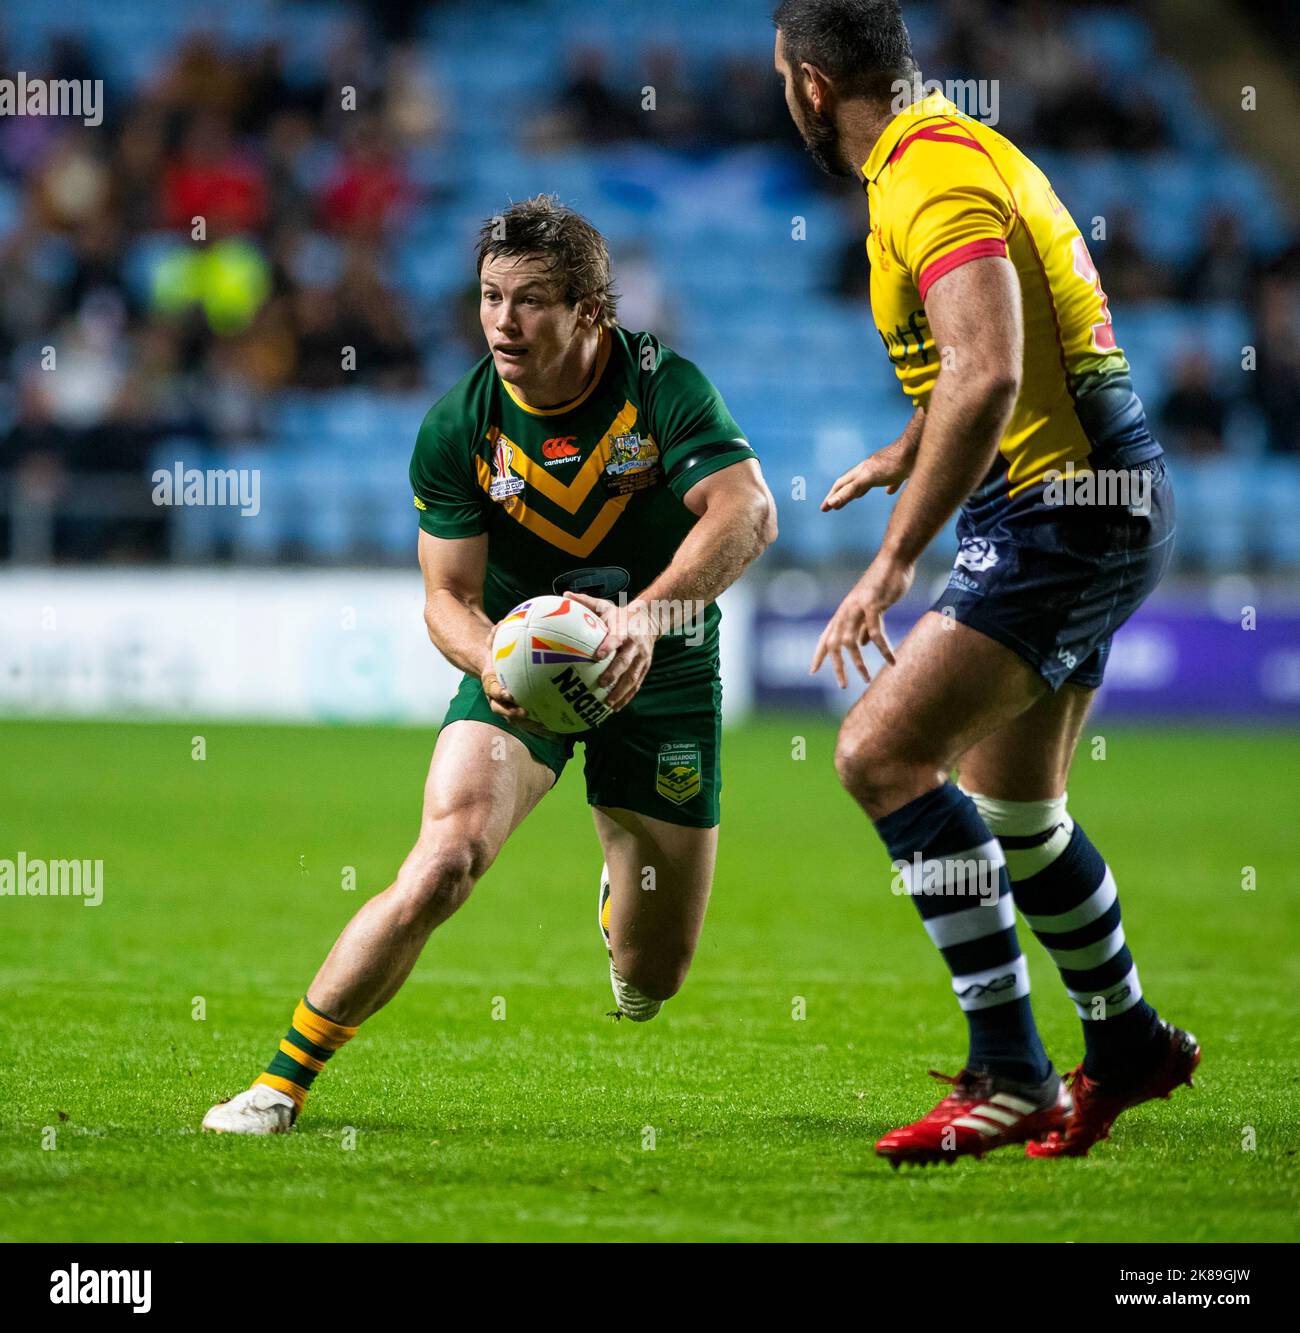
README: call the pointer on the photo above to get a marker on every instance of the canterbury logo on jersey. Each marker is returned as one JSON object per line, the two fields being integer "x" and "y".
{"x": 560, "y": 449}
{"x": 568, "y": 494}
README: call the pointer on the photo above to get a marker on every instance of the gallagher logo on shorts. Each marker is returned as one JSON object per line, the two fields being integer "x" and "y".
{"x": 677, "y": 777}
{"x": 977, "y": 554}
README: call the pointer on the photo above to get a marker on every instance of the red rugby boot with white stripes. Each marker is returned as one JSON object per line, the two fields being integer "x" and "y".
{"x": 982, "y": 1112}
{"x": 1097, "y": 1104}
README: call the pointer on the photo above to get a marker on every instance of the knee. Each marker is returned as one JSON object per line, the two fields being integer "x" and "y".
{"x": 438, "y": 877}
{"x": 875, "y": 771}
{"x": 865, "y": 763}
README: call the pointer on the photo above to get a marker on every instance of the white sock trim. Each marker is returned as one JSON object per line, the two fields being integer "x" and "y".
{"x": 1020, "y": 819}
{"x": 1095, "y": 905}
{"x": 1090, "y": 955}
{"x": 972, "y": 872}
{"x": 1024, "y": 819}
{"x": 972, "y": 924}
{"x": 994, "y": 985}
{"x": 1122, "y": 996}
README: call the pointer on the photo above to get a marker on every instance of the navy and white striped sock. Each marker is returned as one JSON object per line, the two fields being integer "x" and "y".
{"x": 1066, "y": 893}
{"x": 946, "y": 859}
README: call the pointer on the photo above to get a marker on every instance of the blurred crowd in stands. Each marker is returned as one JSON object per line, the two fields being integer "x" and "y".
{"x": 163, "y": 325}
{"x": 278, "y": 204}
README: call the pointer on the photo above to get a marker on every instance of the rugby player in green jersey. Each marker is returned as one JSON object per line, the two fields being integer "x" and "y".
{"x": 579, "y": 459}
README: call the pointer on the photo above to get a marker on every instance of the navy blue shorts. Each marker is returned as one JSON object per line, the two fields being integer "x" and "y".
{"x": 1054, "y": 582}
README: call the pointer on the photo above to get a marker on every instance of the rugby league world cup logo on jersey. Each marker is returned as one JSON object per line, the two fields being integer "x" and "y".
{"x": 504, "y": 485}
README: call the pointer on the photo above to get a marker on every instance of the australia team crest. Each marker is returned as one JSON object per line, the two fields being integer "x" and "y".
{"x": 631, "y": 465}
{"x": 679, "y": 770}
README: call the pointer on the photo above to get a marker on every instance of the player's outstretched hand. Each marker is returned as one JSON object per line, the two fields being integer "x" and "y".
{"x": 889, "y": 467}
{"x": 861, "y": 619}
{"x": 631, "y": 635}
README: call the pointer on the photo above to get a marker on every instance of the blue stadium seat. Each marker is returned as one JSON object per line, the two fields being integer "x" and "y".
{"x": 1279, "y": 491}
{"x": 259, "y": 538}
{"x": 192, "y": 530}
{"x": 1216, "y": 517}
{"x": 1119, "y": 42}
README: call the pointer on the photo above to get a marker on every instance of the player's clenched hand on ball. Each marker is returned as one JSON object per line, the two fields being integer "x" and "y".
{"x": 861, "y": 618}
{"x": 499, "y": 699}
{"x": 502, "y": 702}
{"x": 631, "y": 634}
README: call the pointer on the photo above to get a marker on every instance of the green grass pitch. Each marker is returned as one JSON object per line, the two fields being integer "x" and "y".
{"x": 727, "y": 1117}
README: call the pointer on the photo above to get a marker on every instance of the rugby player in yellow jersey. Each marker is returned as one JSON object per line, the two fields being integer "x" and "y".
{"x": 580, "y": 459}
{"x": 990, "y": 309}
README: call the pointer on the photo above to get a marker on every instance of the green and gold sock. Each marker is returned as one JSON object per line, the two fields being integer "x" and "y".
{"x": 311, "y": 1040}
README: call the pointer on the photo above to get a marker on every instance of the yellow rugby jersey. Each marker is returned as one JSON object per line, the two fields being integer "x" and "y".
{"x": 943, "y": 190}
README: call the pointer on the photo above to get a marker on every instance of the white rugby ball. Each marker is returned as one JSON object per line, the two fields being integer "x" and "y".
{"x": 544, "y": 654}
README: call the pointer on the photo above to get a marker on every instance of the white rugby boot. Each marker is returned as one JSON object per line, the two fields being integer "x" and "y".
{"x": 630, "y": 1002}
{"x": 257, "y": 1110}
{"x": 602, "y": 908}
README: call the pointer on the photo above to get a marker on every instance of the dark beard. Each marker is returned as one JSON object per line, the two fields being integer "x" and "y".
{"x": 821, "y": 138}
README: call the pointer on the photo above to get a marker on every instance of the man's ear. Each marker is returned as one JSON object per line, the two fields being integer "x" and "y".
{"x": 588, "y": 311}
{"x": 818, "y": 87}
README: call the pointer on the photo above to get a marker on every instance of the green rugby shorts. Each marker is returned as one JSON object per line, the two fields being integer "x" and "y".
{"x": 660, "y": 756}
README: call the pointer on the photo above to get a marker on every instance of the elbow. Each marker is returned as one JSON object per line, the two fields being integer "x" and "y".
{"x": 765, "y": 525}
{"x": 434, "y": 612}
{"x": 1001, "y": 387}
{"x": 770, "y": 529}
{"x": 982, "y": 389}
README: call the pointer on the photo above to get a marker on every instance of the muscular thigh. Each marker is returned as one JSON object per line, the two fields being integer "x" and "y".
{"x": 950, "y": 687}
{"x": 660, "y": 877}
{"x": 1028, "y": 758}
{"x": 482, "y": 782}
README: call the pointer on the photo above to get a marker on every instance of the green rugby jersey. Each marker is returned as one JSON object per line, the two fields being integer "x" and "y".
{"x": 586, "y": 496}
